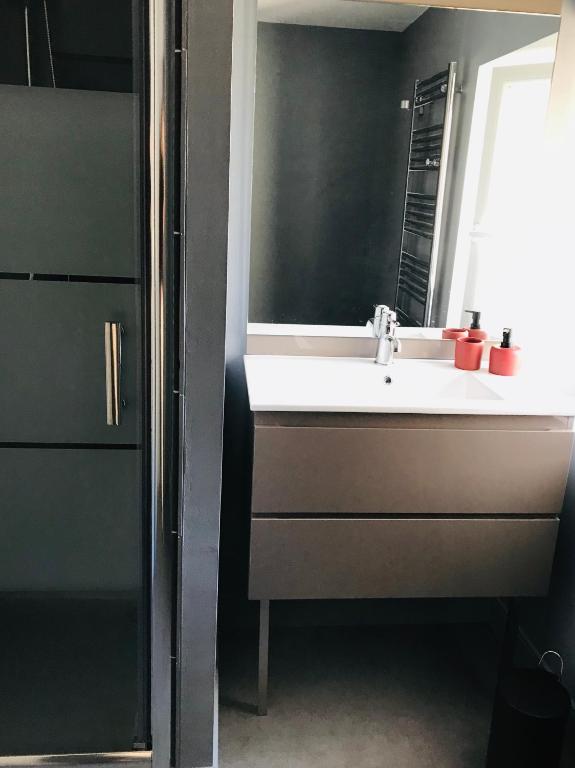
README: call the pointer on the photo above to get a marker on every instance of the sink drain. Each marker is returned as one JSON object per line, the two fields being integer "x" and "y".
{"x": 387, "y": 380}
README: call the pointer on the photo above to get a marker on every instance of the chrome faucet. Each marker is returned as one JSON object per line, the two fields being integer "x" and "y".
{"x": 384, "y": 327}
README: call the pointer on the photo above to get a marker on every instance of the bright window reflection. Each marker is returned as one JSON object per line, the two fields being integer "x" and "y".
{"x": 502, "y": 187}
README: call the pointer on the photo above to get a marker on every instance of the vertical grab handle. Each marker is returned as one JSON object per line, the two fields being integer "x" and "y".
{"x": 113, "y": 347}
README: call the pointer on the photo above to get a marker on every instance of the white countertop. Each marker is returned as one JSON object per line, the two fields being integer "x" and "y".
{"x": 324, "y": 384}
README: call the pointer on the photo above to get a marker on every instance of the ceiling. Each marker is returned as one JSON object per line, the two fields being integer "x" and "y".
{"x": 352, "y": 14}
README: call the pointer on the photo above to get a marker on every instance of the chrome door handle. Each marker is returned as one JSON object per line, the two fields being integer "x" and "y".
{"x": 113, "y": 347}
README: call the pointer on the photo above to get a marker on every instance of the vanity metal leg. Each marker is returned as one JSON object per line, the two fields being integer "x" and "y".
{"x": 263, "y": 658}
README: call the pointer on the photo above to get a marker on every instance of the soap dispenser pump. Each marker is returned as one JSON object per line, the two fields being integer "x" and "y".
{"x": 504, "y": 360}
{"x": 475, "y": 330}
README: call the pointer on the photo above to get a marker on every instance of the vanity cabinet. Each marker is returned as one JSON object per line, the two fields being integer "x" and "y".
{"x": 393, "y": 557}
{"x": 401, "y": 505}
{"x": 384, "y": 505}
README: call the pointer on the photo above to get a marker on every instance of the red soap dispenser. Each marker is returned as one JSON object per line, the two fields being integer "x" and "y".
{"x": 505, "y": 359}
{"x": 475, "y": 330}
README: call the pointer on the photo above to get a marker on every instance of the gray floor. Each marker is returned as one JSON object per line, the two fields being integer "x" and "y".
{"x": 383, "y": 697}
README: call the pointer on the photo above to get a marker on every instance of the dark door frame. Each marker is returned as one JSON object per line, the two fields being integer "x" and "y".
{"x": 161, "y": 253}
{"x": 189, "y": 105}
{"x": 206, "y": 101}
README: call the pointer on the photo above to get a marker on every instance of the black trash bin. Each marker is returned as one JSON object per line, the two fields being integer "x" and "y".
{"x": 529, "y": 719}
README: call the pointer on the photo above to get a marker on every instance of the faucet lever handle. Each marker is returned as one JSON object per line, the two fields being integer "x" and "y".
{"x": 380, "y": 320}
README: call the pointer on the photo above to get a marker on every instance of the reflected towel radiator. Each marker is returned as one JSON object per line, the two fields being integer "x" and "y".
{"x": 431, "y": 121}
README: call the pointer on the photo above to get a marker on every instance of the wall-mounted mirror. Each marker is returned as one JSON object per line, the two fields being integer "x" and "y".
{"x": 395, "y": 150}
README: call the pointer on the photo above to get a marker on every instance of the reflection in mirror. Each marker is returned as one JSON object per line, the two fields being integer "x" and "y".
{"x": 395, "y": 152}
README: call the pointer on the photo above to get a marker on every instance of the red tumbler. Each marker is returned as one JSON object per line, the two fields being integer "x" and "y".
{"x": 468, "y": 353}
{"x": 454, "y": 333}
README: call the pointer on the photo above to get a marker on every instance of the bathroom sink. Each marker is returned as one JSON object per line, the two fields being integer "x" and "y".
{"x": 467, "y": 387}
{"x": 302, "y": 383}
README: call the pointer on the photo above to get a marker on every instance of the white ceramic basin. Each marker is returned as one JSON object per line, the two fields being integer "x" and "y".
{"x": 468, "y": 387}
{"x": 299, "y": 383}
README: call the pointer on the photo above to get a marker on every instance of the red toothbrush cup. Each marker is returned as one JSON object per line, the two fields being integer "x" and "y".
{"x": 454, "y": 333}
{"x": 468, "y": 353}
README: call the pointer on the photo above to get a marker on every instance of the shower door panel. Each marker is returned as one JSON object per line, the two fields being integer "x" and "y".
{"x": 53, "y": 362}
{"x": 75, "y": 513}
{"x": 72, "y": 660}
{"x": 67, "y": 198}
{"x": 70, "y": 521}
{"x": 70, "y": 599}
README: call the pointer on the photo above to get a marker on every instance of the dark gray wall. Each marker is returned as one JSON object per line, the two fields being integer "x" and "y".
{"x": 208, "y": 40}
{"x": 325, "y": 100}
{"x": 471, "y": 38}
{"x": 234, "y": 543}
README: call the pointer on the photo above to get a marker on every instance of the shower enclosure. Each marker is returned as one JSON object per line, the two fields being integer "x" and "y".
{"x": 81, "y": 380}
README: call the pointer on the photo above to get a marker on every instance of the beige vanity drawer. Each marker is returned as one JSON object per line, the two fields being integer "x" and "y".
{"x": 413, "y": 471}
{"x": 363, "y": 558}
